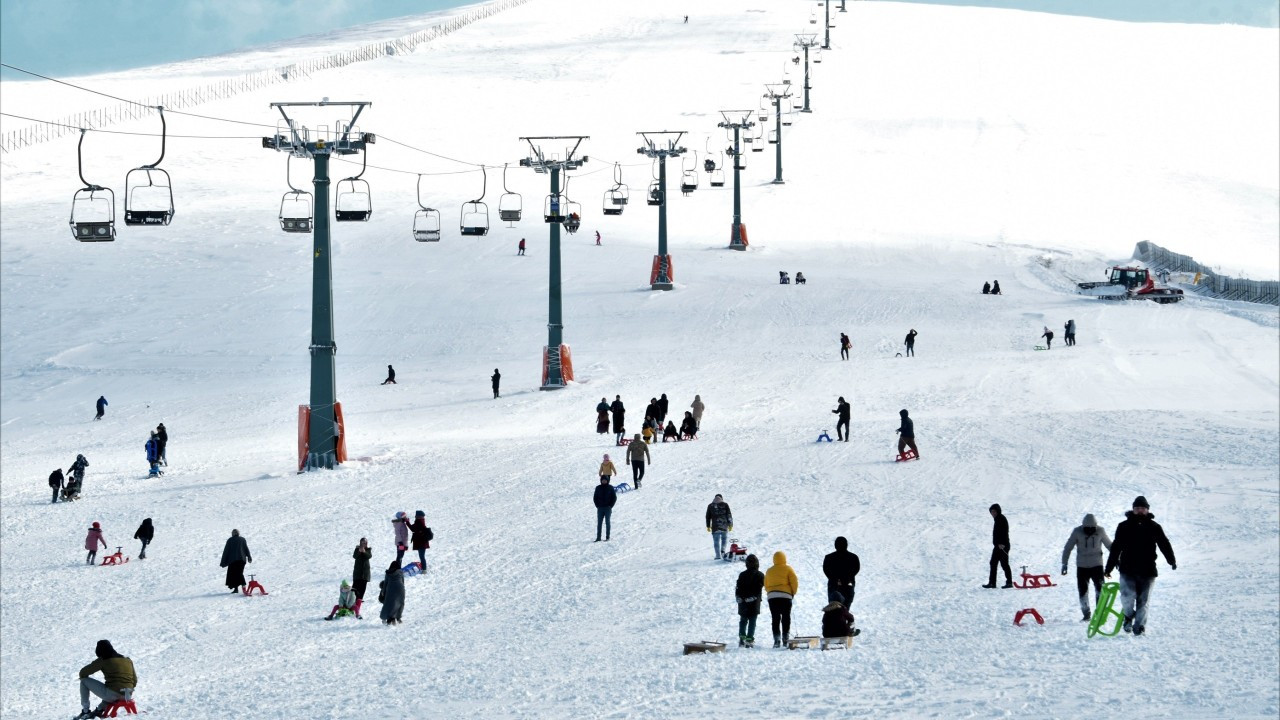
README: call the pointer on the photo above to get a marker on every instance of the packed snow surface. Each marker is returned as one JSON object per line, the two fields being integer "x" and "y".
{"x": 947, "y": 146}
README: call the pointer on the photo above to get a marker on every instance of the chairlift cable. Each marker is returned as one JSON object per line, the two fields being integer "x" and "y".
{"x": 123, "y": 132}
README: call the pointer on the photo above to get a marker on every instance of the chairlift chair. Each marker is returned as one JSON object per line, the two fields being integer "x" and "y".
{"x": 616, "y": 197}
{"x": 787, "y": 110}
{"x": 758, "y": 147}
{"x": 773, "y": 137}
{"x": 655, "y": 194}
{"x": 553, "y": 209}
{"x": 474, "y": 217}
{"x": 148, "y": 192}
{"x": 510, "y": 203}
{"x": 93, "y": 207}
{"x": 295, "y": 206}
{"x": 352, "y": 200}
{"x": 426, "y": 221}
{"x": 688, "y": 181}
{"x": 572, "y": 211}
{"x": 717, "y": 178}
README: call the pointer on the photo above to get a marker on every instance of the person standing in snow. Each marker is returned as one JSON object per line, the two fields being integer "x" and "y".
{"x": 91, "y": 543}
{"x": 118, "y": 680}
{"x": 637, "y": 458}
{"x": 360, "y": 573}
{"x": 602, "y": 417}
{"x": 392, "y": 594}
{"x": 911, "y": 343}
{"x": 391, "y": 376}
{"x": 747, "y": 592}
{"x": 781, "y": 584}
{"x": 102, "y": 407}
{"x": 842, "y": 410}
{"x": 1069, "y": 331}
{"x": 698, "y": 407}
{"x": 495, "y": 378}
{"x": 663, "y": 406}
{"x": 652, "y": 410}
{"x": 607, "y": 470}
{"x": 907, "y": 434}
{"x": 719, "y": 524}
{"x": 1087, "y": 539}
{"x": 55, "y": 483}
{"x": 401, "y": 525}
{"x": 619, "y": 414}
{"x": 1134, "y": 552}
{"x": 235, "y": 554}
{"x": 152, "y": 447}
{"x": 841, "y": 568}
{"x": 1048, "y": 337}
{"x": 520, "y": 251}
{"x": 75, "y": 478}
{"x": 597, "y": 237}
{"x": 421, "y": 537}
{"x": 145, "y": 532}
{"x": 605, "y": 498}
{"x": 845, "y": 344}
{"x": 999, "y": 548}
{"x": 162, "y": 441}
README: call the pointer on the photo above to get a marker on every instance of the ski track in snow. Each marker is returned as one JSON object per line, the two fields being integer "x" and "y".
{"x": 933, "y": 161}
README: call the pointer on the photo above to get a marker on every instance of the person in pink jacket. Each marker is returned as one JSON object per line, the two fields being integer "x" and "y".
{"x": 91, "y": 543}
{"x": 401, "y": 523}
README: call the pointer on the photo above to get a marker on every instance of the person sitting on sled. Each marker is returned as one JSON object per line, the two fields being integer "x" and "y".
{"x": 347, "y": 600}
{"x": 670, "y": 431}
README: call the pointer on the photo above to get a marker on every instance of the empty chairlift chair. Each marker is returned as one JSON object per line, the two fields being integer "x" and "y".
{"x": 148, "y": 192}
{"x": 688, "y": 181}
{"x": 352, "y": 200}
{"x": 93, "y": 208}
{"x": 616, "y": 197}
{"x": 296, "y": 207}
{"x": 426, "y": 221}
{"x": 474, "y": 219}
{"x": 509, "y": 204}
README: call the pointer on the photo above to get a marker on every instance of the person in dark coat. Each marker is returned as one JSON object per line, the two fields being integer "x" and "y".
{"x": 162, "y": 441}
{"x": 986, "y": 288}
{"x": 392, "y": 595}
{"x": 911, "y": 343}
{"x": 719, "y": 523}
{"x": 837, "y": 621}
{"x": 360, "y": 574}
{"x": 234, "y": 556}
{"x": 845, "y": 344}
{"x": 688, "y": 427}
{"x": 663, "y": 404}
{"x": 995, "y": 287}
{"x": 907, "y": 434}
{"x": 1048, "y": 337}
{"x": 421, "y": 537}
{"x": 652, "y": 409}
{"x": 391, "y": 376}
{"x": 605, "y": 498}
{"x": 748, "y": 592}
{"x": 1069, "y": 331}
{"x": 520, "y": 248}
{"x": 145, "y": 532}
{"x": 841, "y": 568}
{"x": 495, "y": 379}
{"x": 842, "y": 409}
{"x": 102, "y": 407}
{"x": 55, "y": 482}
{"x": 602, "y": 417}
{"x": 670, "y": 431}
{"x": 75, "y": 478}
{"x": 619, "y": 413}
{"x": 1134, "y": 551}
{"x": 999, "y": 548}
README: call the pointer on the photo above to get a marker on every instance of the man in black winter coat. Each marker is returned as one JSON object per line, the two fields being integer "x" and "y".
{"x": 162, "y": 440}
{"x": 841, "y": 568}
{"x": 605, "y": 498}
{"x": 1134, "y": 551}
{"x": 999, "y": 548}
{"x": 55, "y": 482}
{"x": 842, "y": 410}
{"x": 619, "y": 413}
{"x": 496, "y": 378}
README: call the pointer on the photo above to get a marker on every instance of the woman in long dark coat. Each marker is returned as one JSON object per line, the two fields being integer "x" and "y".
{"x": 420, "y": 541}
{"x": 234, "y": 556}
{"x": 360, "y": 575}
{"x": 392, "y": 595}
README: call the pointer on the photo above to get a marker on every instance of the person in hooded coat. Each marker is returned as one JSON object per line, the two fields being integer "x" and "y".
{"x": 1087, "y": 539}
{"x": 55, "y": 483}
{"x": 1134, "y": 552}
{"x": 670, "y": 431}
{"x": 837, "y": 621}
{"x": 747, "y": 592}
{"x": 102, "y": 407}
{"x": 91, "y": 541}
{"x": 392, "y": 594}
{"x": 1069, "y": 331}
{"x": 152, "y": 447}
{"x": 999, "y": 547}
{"x": 688, "y": 427}
{"x": 162, "y": 442}
{"x": 619, "y": 413}
{"x": 421, "y": 537}
{"x": 698, "y": 407}
{"x": 347, "y": 600}
{"x": 145, "y": 532}
{"x": 995, "y": 287}
{"x": 401, "y": 526}
{"x": 841, "y": 568}
{"x": 781, "y": 585}
{"x": 602, "y": 417}
{"x": 234, "y": 556}
{"x": 118, "y": 680}
{"x": 907, "y": 434}
{"x": 663, "y": 405}
{"x": 1048, "y": 337}
{"x": 986, "y": 288}
{"x": 360, "y": 573}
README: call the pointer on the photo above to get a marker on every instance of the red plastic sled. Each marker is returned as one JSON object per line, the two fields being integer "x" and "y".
{"x": 1017, "y": 619}
{"x": 906, "y": 455}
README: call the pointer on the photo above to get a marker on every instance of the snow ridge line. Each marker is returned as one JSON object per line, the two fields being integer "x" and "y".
{"x": 102, "y": 117}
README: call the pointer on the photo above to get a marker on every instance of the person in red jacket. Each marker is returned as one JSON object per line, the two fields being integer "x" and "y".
{"x": 91, "y": 543}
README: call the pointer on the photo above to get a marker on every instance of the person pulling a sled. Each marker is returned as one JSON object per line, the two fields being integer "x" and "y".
{"x": 907, "y": 435}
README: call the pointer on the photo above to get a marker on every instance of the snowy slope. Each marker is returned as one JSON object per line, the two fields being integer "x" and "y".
{"x": 1031, "y": 148}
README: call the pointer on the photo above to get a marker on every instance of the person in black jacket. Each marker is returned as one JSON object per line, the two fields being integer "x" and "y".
{"x": 360, "y": 572}
{"x": 652, "y": 409}
{"x": 496, "y": 378}
{"x": 602, "y": 417}
{"x": 663, "y": 405}
{"x": 907, "y": 434}
{"x": 605, "y": 498}
{"x": 102, "y": 407}
{"x": 842, "y": 409}
{"x": 999, "y": 548}
{"x": 145, "y": 532}
{"x": 748, "y": 592}
{"x": 911, "y": 343}
{"x": 391, "y": 376}
{"x": 837, "y": 622}
{"x": 841, "y": 568}
{"x": 162, "y": 441}
{"x": 234, "y": 556}
{"x": 55, "y": 482}
{"x": 619, "y": 414}
{"x": 1134, "y": 551}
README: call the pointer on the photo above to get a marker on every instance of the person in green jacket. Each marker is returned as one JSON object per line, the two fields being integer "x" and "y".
{"x": 117, "y": 671}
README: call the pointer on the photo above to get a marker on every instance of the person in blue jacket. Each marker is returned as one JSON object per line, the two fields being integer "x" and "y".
{"x": 102, "y": 407}
{"x": 153, "y": 455}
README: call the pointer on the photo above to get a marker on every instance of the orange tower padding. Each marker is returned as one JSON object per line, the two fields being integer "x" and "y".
{"x": 304, "y": 434}
{"x": 566, "y": 363}
{"x": 342, "y": 432}
{"x": 742, "y": 227}
{"x": 653, "y": 274}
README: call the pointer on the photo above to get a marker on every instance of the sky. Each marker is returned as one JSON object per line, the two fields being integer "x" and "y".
{"x": 82, "y": 37}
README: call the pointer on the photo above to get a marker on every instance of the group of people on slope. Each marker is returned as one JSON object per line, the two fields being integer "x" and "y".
{"x": 1133, "y": 551}
{"x": 155, "y": 447}
{"x": 991, "y": 288}
{"x": 654, "y": 417}
{"x": 95, "y": 539}
{"x": 68, "y": 486}
{"x": 784, "y": 279}
{"x": 1068, "y": 331}
{"x": 779, "y": 586}
{"x": 909, "y": 341}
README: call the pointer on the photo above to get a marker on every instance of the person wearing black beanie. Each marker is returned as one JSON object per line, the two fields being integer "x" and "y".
{"x": 999, "y": 548}
{"x": 118, "y": 674}
{"x": 1134, "y": 552}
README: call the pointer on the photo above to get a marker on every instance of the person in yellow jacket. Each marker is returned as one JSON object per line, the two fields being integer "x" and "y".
{"x": 117, "y": 671}
{"x": 607, "y": 470}
{"x": 780, "y": 586}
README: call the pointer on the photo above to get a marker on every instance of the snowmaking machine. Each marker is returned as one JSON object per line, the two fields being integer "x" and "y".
{"x": 1129, "y": 283}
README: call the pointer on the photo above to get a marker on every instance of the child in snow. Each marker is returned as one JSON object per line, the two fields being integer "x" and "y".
{"x": 1048, "y": 337}
{"x": 837, "y": 622}
{"x": 670, "y": 431}
{"x": 145, "y": 532}
{"x": 401, "y": 523}
{"x": 153, "y": 455}
{"x": 75, "y": 478}
{"x": 347, "y": 600}
{"x": 747, "y": 593}
{"x": 607, "y": 470}
{"x": 91, "y": 543}
{"x": 647, "y": 433}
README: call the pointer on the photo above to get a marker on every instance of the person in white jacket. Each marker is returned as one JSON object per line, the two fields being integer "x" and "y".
{"x": 1087, "y": 540}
